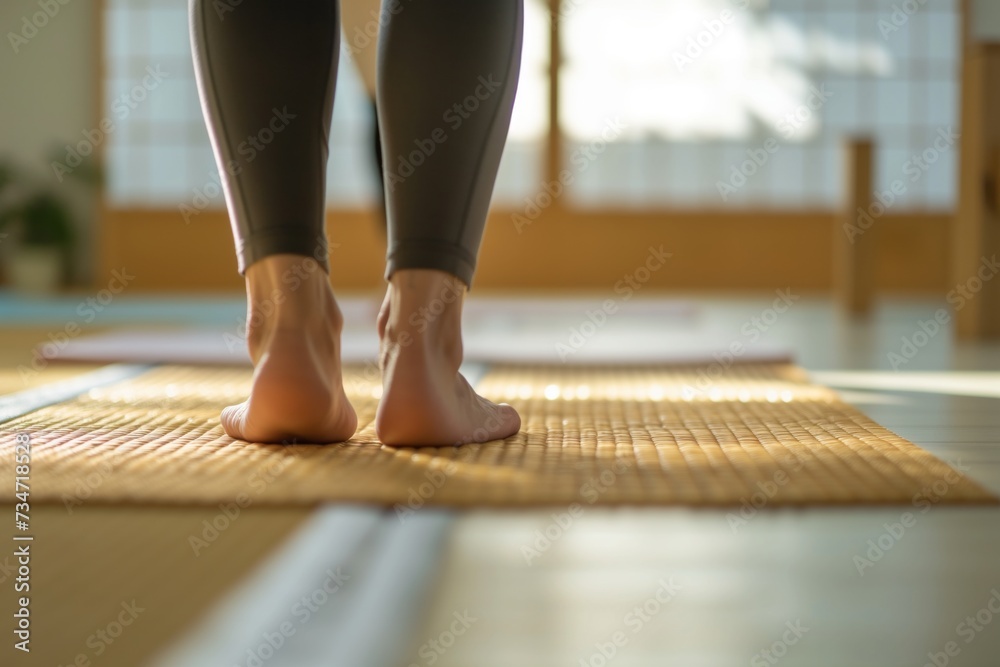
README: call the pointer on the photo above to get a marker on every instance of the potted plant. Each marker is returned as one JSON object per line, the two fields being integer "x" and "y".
{"x": 38, "y": 223}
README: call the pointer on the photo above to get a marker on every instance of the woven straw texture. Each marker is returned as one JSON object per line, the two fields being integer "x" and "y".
{"x": 657, "y": 435}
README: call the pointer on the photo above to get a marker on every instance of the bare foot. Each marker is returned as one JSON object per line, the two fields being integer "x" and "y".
{"x": 425, "y": 400}
{"x": 293, "y": 335}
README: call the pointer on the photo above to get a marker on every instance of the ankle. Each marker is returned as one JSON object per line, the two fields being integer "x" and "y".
{"x": 288, "y": 293}
{"x": 433, "y": 341}
{"x": 425, "y": 312}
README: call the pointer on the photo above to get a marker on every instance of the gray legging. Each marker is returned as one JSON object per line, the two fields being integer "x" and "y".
{"x": 447, "y": 74}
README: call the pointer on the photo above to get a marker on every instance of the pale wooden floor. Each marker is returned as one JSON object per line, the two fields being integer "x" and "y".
{"x": 738, "y": 589}
{"x": 738, "y": 586}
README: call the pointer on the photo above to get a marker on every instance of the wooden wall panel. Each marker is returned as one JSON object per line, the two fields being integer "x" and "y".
{"x": 559, "y": 250}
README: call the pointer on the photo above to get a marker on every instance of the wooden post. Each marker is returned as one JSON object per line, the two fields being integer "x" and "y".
{"x": 554, "y": 143}
{"x": 855, "y": 232}
{"x": 975, "y": 288}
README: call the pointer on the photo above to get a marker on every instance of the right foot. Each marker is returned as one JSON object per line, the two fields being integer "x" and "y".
{"x": 425, "y": 400}
{"x": 297, "y": 393}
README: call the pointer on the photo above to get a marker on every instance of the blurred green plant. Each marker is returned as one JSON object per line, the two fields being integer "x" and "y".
{"x": 35, "y": 207}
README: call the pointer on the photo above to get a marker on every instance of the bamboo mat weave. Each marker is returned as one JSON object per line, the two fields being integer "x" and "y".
{"x": 758, "y": 434}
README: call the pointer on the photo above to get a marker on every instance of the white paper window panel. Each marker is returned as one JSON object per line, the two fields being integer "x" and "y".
{"x": 164, "y": 25}
{"x": 908, "y": 85}
{"x": 157, "y": 32}
{"x": 941, "y": 98}
{"x": 636, "y": 173}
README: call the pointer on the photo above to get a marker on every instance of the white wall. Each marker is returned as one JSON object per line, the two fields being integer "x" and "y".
{"x": 986, "y": 19}
{"x": 48, "y": 94}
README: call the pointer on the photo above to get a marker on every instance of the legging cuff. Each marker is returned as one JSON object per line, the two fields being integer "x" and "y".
{"x": 281, "y": 240}
{"x": 429, "y": 254}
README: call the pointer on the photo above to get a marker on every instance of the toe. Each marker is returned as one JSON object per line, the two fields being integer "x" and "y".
{"x": 232, "y": 420}
{"x": 500, "y": 421}
{"x": 511, "y": 420}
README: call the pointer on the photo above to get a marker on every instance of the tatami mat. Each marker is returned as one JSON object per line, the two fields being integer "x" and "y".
{"x": 13, "y": 380}
{"x": 695, "y": 435}
{"x": 152, "y": 570}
